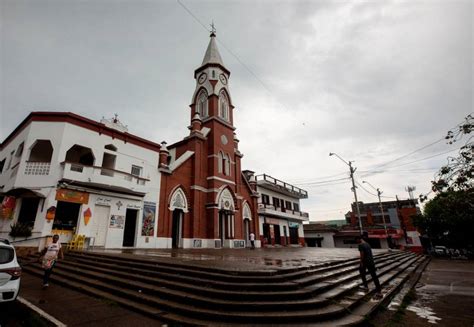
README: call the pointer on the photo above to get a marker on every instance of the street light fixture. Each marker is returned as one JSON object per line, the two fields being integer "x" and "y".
{"x": 352, "y": 171}
{"x": 380, "y": 204}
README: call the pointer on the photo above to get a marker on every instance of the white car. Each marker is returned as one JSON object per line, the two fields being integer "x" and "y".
{"x": 10, "y": 272}
{"x": 440, "y": 250}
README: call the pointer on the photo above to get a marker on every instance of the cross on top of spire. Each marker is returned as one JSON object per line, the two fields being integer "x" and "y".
{"x": 213, "y": 29}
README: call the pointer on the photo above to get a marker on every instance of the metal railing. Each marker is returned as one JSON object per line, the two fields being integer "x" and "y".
{"x": 37, "y": 168}
{"x": 283, "y": 209}
{"x": 269, "y": 180}
{"x": 108, "y": 172}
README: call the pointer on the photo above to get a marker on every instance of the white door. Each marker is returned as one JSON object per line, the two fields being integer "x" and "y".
{"x": 99, "y": 224}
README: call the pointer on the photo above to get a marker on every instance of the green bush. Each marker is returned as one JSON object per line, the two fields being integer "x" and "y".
{"x": 20, "y": 230}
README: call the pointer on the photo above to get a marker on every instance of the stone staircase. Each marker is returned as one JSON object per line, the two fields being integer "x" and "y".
{"x": 182, "y": 294}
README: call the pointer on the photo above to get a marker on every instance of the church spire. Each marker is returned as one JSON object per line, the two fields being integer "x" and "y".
{"x": 212, "y": 55}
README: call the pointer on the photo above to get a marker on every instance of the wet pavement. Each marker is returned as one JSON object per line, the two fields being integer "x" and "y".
{"x": 245, "y": 259}
{"x": 74, "y": 308}
{"x": 444, "y": 296}
{"x": 445, "y": 293}
{"x": 77, "y": 309}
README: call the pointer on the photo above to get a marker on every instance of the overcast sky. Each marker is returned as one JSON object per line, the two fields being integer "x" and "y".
{"x": 371, "y": 81}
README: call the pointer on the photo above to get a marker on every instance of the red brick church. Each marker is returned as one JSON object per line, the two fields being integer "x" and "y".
{"x": 205, "y": 198}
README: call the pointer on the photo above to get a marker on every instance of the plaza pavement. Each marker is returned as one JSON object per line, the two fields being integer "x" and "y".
{"x": 74, "y": 308}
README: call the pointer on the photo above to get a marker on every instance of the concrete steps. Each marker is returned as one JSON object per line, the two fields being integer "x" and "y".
{"x": 187, "y": 294}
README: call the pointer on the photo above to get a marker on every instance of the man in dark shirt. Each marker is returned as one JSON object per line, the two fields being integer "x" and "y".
{"x": 367, "y": 263}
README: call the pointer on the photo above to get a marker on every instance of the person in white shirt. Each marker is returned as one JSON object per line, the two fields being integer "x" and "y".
{"x": 50, "y": 255}
{"x": 252, "y": 240}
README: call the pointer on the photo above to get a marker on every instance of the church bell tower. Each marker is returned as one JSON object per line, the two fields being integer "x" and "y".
{"x": 211, "y": 98}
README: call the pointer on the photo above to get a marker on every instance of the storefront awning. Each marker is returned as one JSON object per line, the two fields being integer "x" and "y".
{"x": 24, "y": 193}
{"x": 103, "y": 187}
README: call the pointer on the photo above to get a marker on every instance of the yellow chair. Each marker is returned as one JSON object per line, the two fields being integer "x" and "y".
{"x": 80, "y": 242}
{"x": 77, "y": 242}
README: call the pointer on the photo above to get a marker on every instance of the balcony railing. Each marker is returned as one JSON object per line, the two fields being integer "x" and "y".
{"x": 266, "y": 180}
{"x": 269, "y": 208}
{"x": 76, "y": 171}
{"x": 37, "y": 168}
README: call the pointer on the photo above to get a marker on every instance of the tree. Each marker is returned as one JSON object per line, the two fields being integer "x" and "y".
{"x": 458, "y": 173}
{"x": 449, "y": 218}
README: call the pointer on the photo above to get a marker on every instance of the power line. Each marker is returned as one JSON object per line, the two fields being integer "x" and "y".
{"x": 330, "y": 184}
{"x": 192, "y": 15}
{"x": 315, "y": 179}
{"x": 406, "y": 155}
{"x": 236, "y": 57}
{"x": 368, "y": 173}
{"x": 413, "y": 152}
{"x": 322, "y": 182}
{"x": 360, "y": 185}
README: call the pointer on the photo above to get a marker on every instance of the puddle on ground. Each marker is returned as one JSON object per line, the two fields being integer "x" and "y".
{"x": 421, "y": 306}
{"x": 424, "y": 312}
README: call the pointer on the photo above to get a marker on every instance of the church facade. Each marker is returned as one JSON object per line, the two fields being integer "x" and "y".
{"x": 61, "y": 173}
{"x": 205, "y": 200}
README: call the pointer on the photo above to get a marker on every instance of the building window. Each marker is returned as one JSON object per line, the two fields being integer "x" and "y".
{"x": 19, "y": 150}
{"x": 41, "y": 151}
{"x": 226, "y": 165}
{"x": 82, "y": 155}
{"x": 223, "y": 106}
{"x": 296, "y": 207}
{"x": 276, "y": 202}
{"x": 288, "y": 205}
{"x": 202, "y": 104}
{"x": 136, "y": 170}
{"x": 265, "y": 199}
{"x": 220, "y": 162}
{"x": 2, "y": 164}
{"x": 110, "y": 147}
{"x": 10, "y": 160}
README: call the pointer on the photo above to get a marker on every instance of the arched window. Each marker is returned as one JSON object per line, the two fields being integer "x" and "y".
{"x": 220, "y": 162}
{"x": 178, "y": 200}
{"x": 227, "y": 165}
{"x": 201, "y": 104}
{"x": 223, "y": 106}
{"x": 110, "y": 147}
{"x": 42, "y": 151}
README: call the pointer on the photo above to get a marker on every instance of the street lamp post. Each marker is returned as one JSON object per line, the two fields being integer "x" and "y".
{"x": 380, "y": 204}
{"x": 352, "y": 171}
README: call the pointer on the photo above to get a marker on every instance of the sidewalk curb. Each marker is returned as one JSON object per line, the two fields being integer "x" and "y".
{"x": 405, "y": 289}
{"x": 44, "y": 315}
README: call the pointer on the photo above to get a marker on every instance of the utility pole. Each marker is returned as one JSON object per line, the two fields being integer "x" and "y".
{"x": 352, "y": 171}
{"x": 380, "y": 204}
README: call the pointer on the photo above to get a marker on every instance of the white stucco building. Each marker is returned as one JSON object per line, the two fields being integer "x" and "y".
{"x": 67, "y": 174}
{"x": 279, "y": 211}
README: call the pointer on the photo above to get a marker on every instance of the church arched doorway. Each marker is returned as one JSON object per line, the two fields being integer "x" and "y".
{"x": 177, "y": 229}
{"x": 247, "y": 215}
{"x": 178, "y": 206}
{"x": 226, "y": 220}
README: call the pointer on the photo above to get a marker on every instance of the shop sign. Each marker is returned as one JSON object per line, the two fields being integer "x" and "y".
{"x": 293, "y": 225}
{"x": 87, "y": 216}
{"x": 134, "y": 206}
{"x": 8, "y": 207}
{"x": 72, "y": 196}
{"x": 51, "y": 213}
{"x": 148, "y": 222}
{"x": 117, "y": 221}
{"x": 101, "y": 201}
{"x": 272, "y": 221}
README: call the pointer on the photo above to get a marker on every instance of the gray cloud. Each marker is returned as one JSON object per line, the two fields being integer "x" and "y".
{"x": 371, "y": 81}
